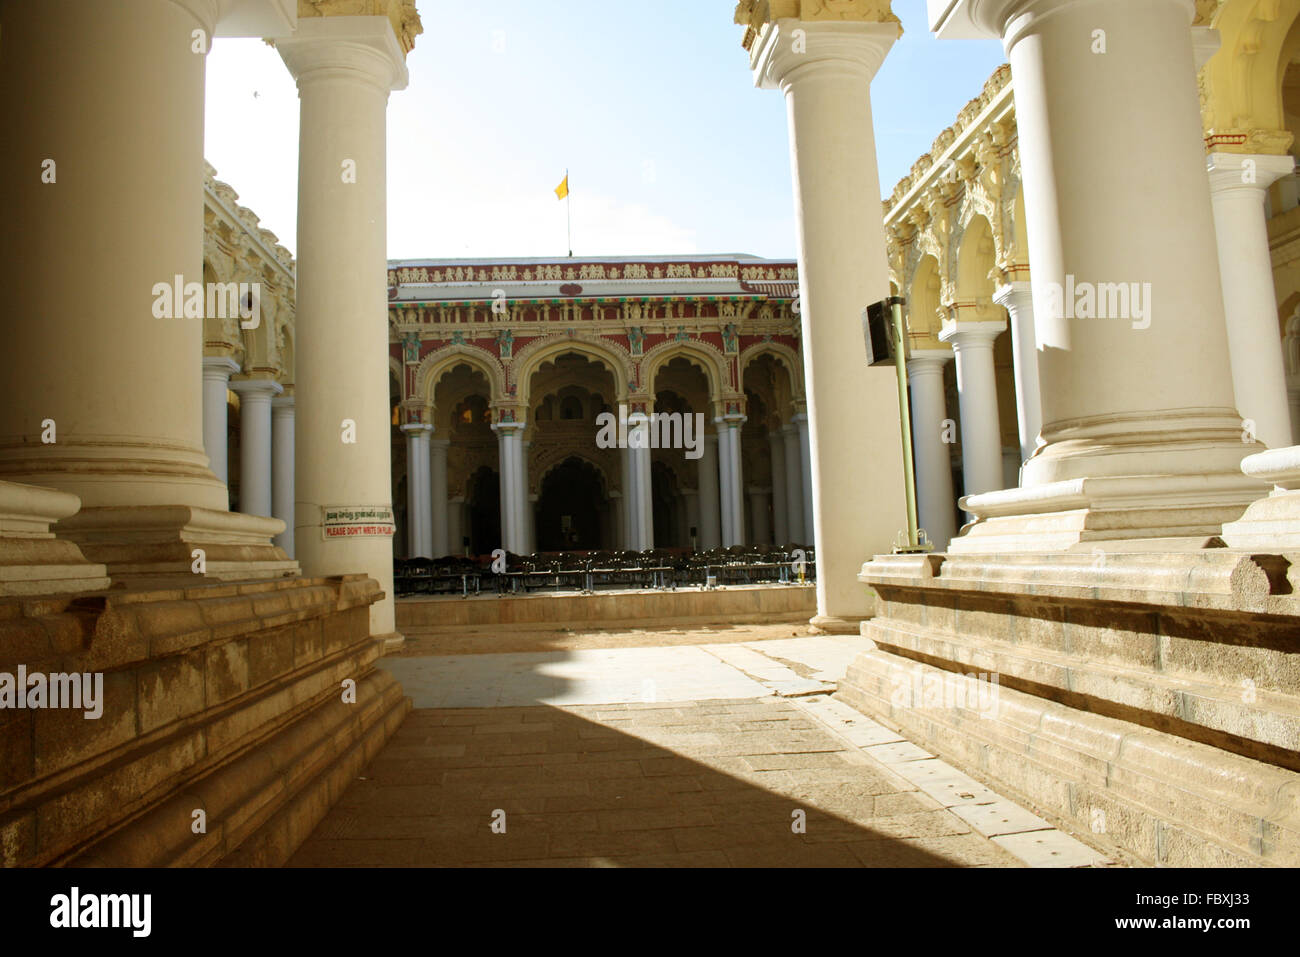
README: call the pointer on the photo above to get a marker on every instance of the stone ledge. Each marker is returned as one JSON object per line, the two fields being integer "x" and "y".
{"x": 1165, "y": 800}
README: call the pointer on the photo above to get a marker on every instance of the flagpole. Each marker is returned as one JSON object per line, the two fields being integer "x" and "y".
{"x": 568, "y": 207}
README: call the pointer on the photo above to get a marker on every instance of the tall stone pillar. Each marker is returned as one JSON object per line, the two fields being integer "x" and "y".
{"x": 776, "y": 455}
{"x": 1141, "y": 437}
{"x": 1238, "y": 186}
{"x": 514, "y": 499}
{"x": 617, "y": 510}
{"x": 758, "y": 509}
{"x": 282, "y": 468}
{"x": 710, "y": 507}
{"x": 111, "y": 410}
{"x": 217, "y": 371}
{"x": 823, "y": 61}
{"x": 731, "y": 479}
{"x": 456, "y": 525}
{"x": 440, "y": 541}
{"x": 418, "y": 494}
{"x": 640, "y": 502}
{"x": 977, "y": 390}
{"x": 800, "y": 421}
{"x": 530, "y": 500}
{"x": 794, "y": 485}
{"x": 255, "y": 397}
{"x": 345, "y": 67}
{"x": 935, "y": 504}
{"x": 1018, "y": 299}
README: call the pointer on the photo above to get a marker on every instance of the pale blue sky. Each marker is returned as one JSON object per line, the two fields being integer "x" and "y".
{"x": 652, "y": 109}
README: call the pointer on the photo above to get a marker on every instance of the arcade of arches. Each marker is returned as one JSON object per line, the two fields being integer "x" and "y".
{"x": 710, "y": 339}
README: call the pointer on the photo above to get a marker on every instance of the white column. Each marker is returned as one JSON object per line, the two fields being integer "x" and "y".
{"x": 441, "y": 541}
{"x": 418, "y": 497}
{"x": 282, "y": 468}
{"x": 824, "y": 69}
{"x": 1238, "y": 186}
{"x": 935, "y": 503}
{"x": 1018, "y": 299}
{"x": 776, "y": 455}
{"x": 456, "y": 525}
{"x": 513, "y": 486}
{"x": 731, "y": 479}
{"x": 710, "y": 507}
{"x": 123, "y": 393}
{"x": 1141, "y": 437}
{"x": 255, "y": 443}
{"x": 758, "y": 506}
{"x": 806, "y": 487}
{"x": 345, "y": 67}
{"x": 217, "y": 371}
{"x": 977, "y": 390}
{"x": 640, "y": 505}
{"x": 794, "y": 485}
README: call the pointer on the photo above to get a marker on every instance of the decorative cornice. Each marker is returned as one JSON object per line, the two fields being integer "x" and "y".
{"x": 401, "y": 13}
{"x": 754, "y": 15}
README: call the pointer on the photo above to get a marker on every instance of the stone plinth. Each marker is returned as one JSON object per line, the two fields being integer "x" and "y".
{"x": 32, "y": 560}
{"x": 1149, "y": 697}
{"x": 225, "y": 699}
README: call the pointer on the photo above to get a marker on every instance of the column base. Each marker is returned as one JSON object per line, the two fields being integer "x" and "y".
{"x": 390, "y": 642}
{"x": 32, "y": 560}
{"x": 1066, "y": 515}
{"x": 832, "y": 625}
{"x": 153, "y": 545}
{"x": 1272, "y": 522}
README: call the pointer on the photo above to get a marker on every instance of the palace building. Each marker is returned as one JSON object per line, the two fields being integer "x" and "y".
{"x": 500, "y": 370}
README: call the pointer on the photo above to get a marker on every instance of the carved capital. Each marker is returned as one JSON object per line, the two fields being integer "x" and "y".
{"x": 401, "y": 13}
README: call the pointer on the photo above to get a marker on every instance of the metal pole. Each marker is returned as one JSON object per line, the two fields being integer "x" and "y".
{"x": 905, "y": 418}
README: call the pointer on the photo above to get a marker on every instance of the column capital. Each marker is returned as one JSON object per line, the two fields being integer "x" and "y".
{"x": 342, "y": 47}
{"x": 972, "y": 335}
{"x": 416, "y": 429}
{"x": 731, "y": 421}
{"x": 1252, "y": 173}
{"x": 922, "y": 362}
{"x": 787, "y": 50}
{"x": 219, "y": 367}
{"x": 255, "y": 388}
{"x": 503, "y": 429}
{"x": 283, "y": 404}
{"x": 1015, "y": 295}
{"x": 1007, "y": 20}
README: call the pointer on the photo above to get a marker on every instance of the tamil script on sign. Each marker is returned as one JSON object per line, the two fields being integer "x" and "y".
{"x": 351, "y": 520}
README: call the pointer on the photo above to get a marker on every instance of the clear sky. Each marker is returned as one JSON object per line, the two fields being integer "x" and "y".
{"x": 651, "y": 108}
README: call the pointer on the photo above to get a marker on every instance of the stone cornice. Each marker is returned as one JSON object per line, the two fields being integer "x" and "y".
{"x": 400, "y": 13}
{"x": 755, "y": 15}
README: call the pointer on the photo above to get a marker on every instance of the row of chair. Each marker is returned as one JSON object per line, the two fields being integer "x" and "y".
{"x": 660, "y": 568}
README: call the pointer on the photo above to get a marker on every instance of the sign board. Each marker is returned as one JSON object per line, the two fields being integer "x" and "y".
{"x": 352, "y": 521}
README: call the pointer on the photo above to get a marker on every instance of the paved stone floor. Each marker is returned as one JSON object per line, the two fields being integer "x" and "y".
{"x": 714, "y": 754}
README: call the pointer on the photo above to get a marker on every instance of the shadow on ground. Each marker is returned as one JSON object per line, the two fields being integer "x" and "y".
{"x": 719, "y": 783}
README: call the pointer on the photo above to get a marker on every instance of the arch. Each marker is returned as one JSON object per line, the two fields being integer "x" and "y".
{"x": 699, "y": 354}
{"x": 783, "y": 354}
{"x": 976, "y": 260}
{"x": 530, "y": 358}
{"x": 441, "y": 361}
{"x": 1242, "y": 82}
{"x": 923, "y": 314}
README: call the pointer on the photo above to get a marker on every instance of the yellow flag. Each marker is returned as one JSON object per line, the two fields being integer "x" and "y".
{"x": 562, "y": 190}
